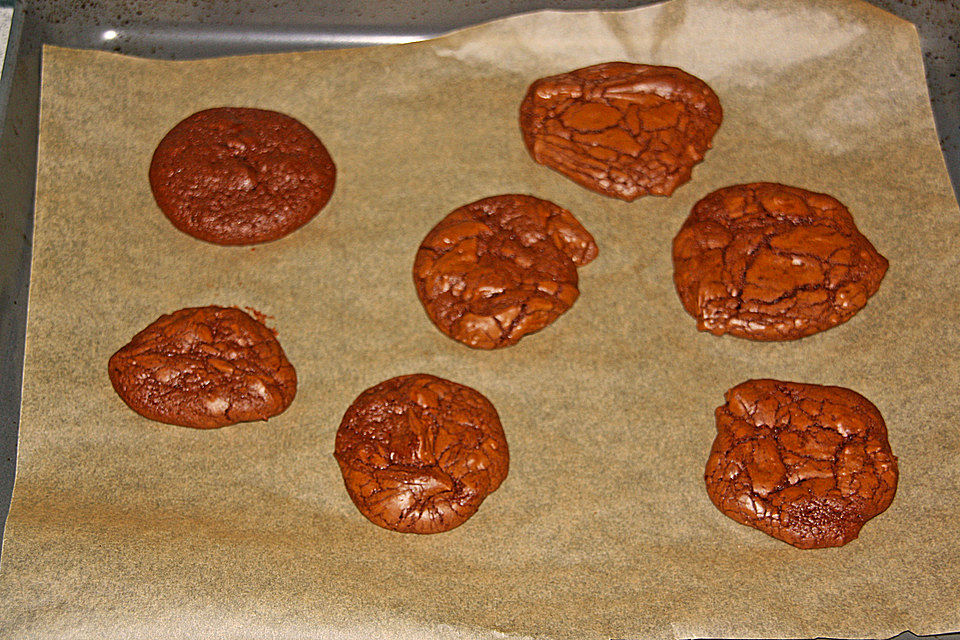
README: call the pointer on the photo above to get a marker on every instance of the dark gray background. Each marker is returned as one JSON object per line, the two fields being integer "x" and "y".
{"x": 178, "y": 29}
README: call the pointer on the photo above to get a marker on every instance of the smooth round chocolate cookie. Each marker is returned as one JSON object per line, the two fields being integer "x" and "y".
{"x": 500, "y": 268}
{"x": 237, "y": 176}
{"x": 767, "y": 261}
{"x": 204, "y": 367}
{"x": 805, "y": 463}
{"x": 419, "y": 453}
{"x": 621, "y": 129}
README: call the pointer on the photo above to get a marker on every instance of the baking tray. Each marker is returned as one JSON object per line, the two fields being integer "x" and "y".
{"x": 189, "y": 29}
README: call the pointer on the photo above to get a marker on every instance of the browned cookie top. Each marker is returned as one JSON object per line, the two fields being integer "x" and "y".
{"x": 807, "y": 464}
{"x": 771, "y": 262}
{"x": 499, "y": 268}
{"x": 624, "y": 130}
{"x": 204, "y": 367}
{"x": 419, "y": 453}
{"x": 240, "y": 176}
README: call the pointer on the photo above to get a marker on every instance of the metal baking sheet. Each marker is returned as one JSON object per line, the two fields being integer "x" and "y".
{"x": 178, "y": 30}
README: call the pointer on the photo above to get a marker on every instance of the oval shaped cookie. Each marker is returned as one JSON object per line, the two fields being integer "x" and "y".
{"x": 767, "y": 261}
{"x": 204, "y": 367}
{"x": 805, "y": 463}
{"x": 419, "y": 453}
{"x": 500, "y": 268}
{"x": 237, "y": 176}
{"x": 623, "y": 130}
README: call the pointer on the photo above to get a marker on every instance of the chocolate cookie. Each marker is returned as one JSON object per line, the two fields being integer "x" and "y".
{"x": 204, "y": 367}
{"x": 624, "y": 130}
{"x": 499, "y": 268}
{"x": 807, "y": 464}
{"x": 419, "y": 453}
{"x": 240, "y": 176}
{"x": 771, "y": 262}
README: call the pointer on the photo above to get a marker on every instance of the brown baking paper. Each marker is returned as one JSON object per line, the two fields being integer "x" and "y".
{"x": 125, "y": 528}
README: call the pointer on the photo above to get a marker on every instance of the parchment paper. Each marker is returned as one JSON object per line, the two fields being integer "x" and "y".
{"x": 121, "y": 527}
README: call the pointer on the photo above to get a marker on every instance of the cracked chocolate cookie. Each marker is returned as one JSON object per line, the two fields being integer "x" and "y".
{"x": 419, "y": 453}
{"x": 621, "y": 129}
{"x": 805, "y": 463}
{"x": 770, "y": 262}
{"x": 500, "y": 268}
{"x": 204, "y": 367}
{"x": 237, "y": 176}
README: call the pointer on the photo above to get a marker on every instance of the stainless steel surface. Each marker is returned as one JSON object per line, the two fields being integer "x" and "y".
{"x": 19, "y": 89}
{"x": 178, "y": 29}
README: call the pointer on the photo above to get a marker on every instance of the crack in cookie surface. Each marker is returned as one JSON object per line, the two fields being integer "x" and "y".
{"x": 806, "y": 464}
{"x": 500, "y": 268}
{"x": 621, "y": 129}
{"x": 767, "y": 261}
{"x": 419, "y": 453}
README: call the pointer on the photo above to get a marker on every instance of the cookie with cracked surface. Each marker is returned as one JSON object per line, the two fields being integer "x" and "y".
{"x": 204, "y": 367}
{"x": 804, "y": 463}
{"x": 621, "y": 129}
{"x": 768, "y": 261}
{"x": 500, "y": 268}
{"x": 419, "y": 453}
{"x": 237, "y": 176}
